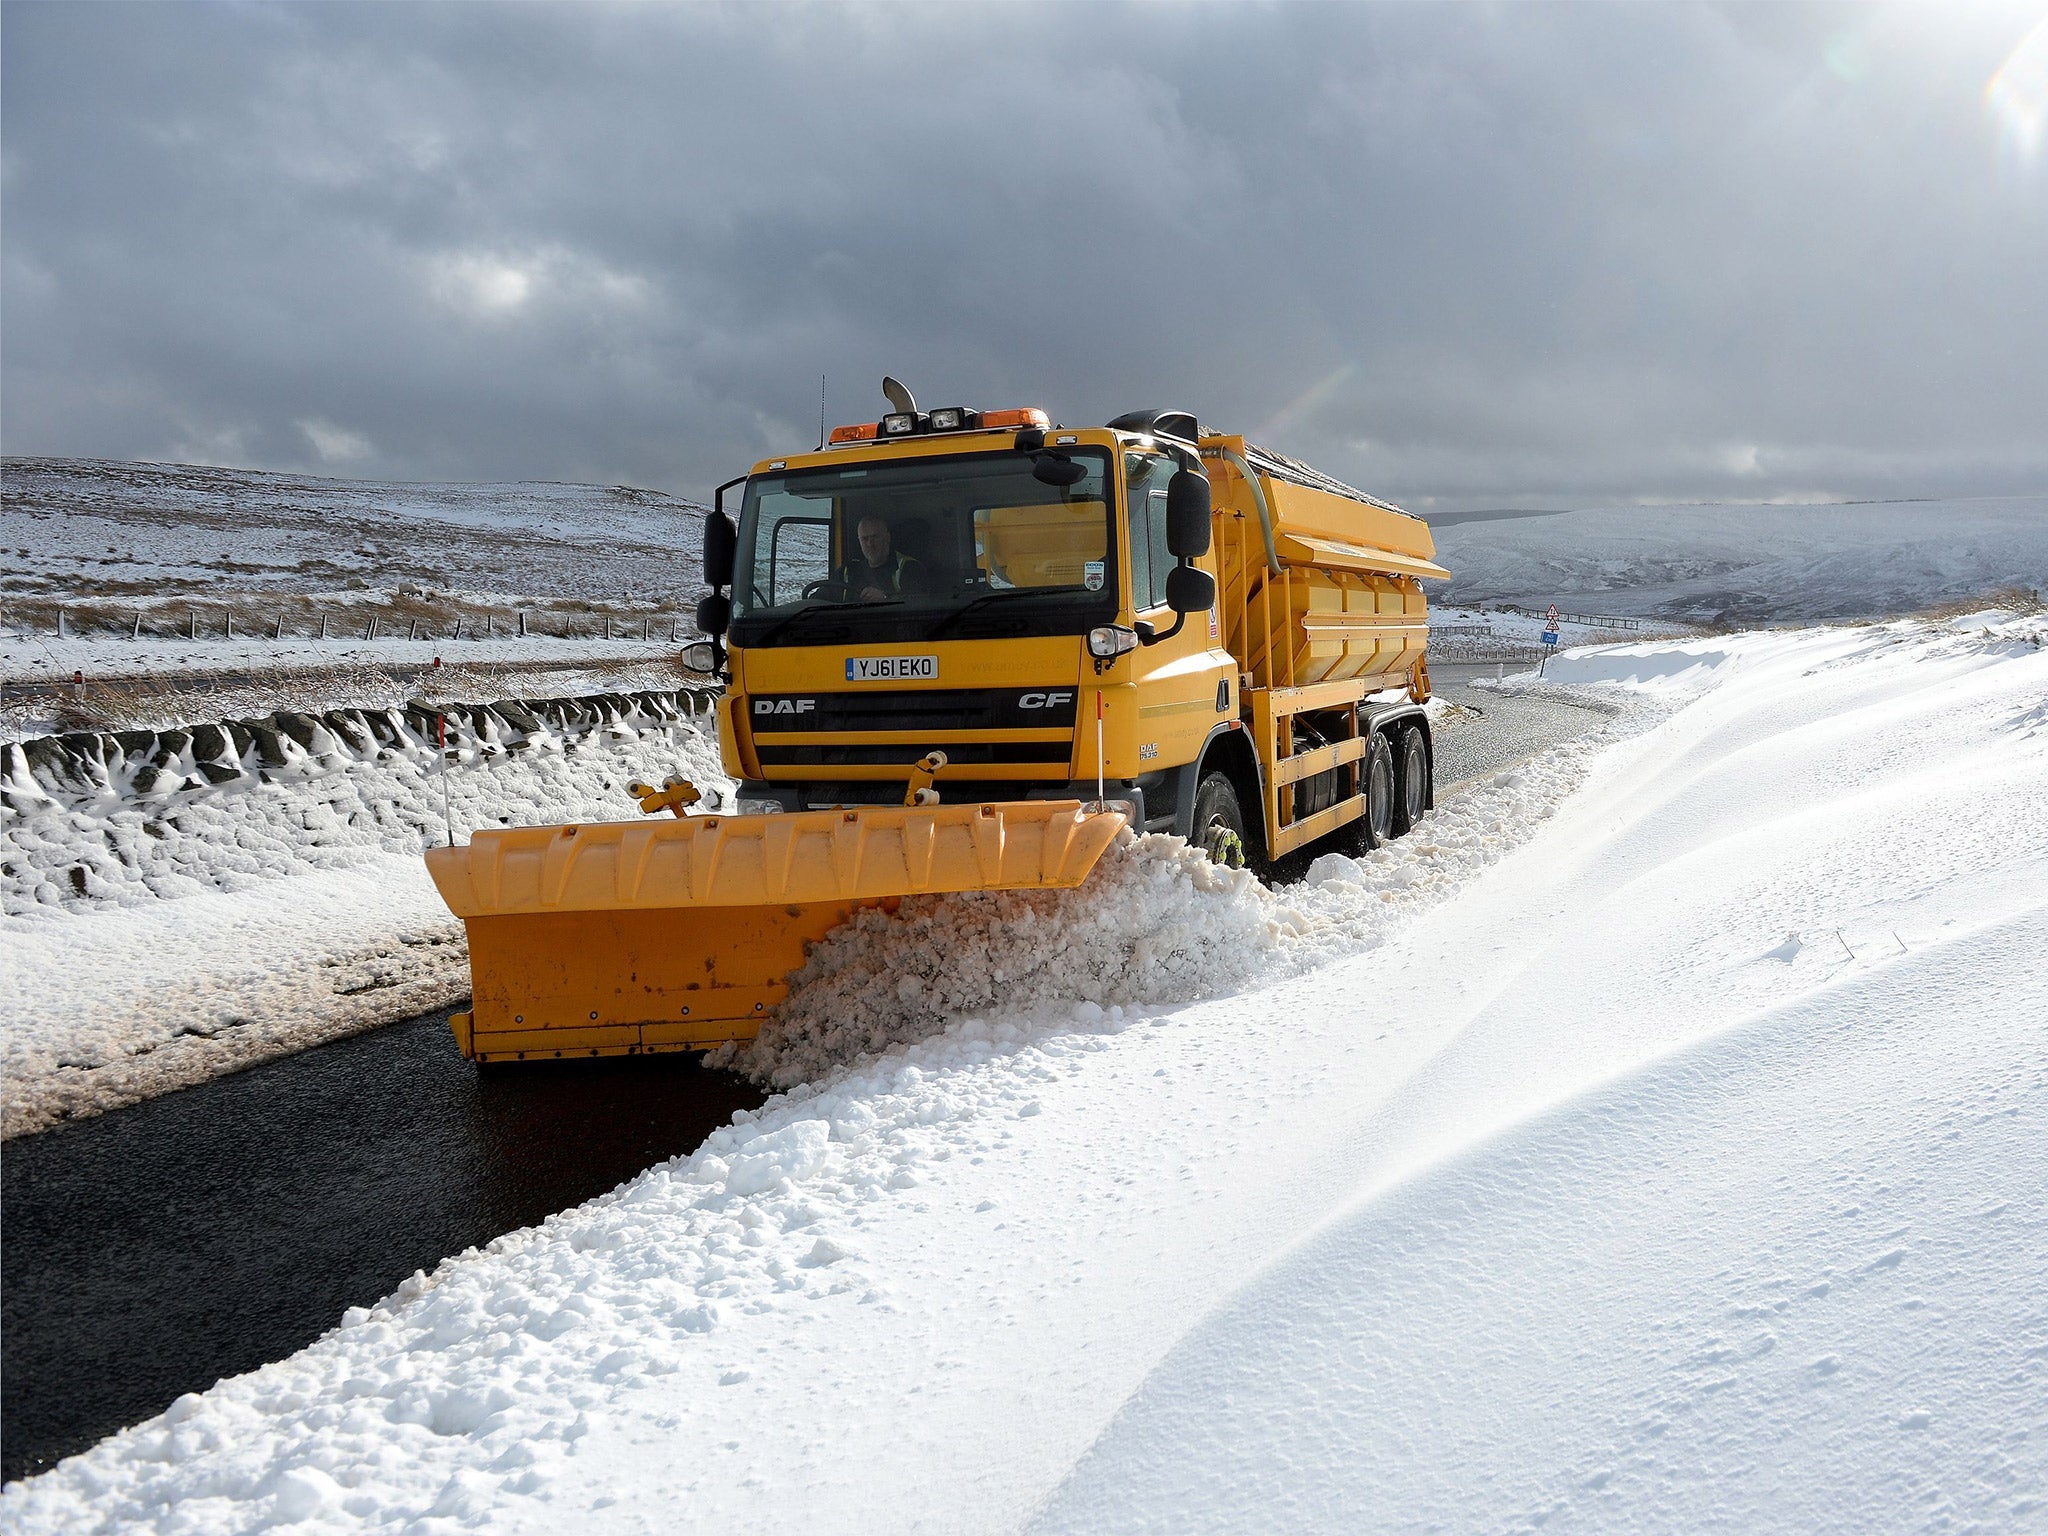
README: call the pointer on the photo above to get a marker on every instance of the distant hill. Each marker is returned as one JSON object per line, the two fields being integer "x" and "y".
{"x": 102, "y": 528}
{"x": 1748, "y": 564}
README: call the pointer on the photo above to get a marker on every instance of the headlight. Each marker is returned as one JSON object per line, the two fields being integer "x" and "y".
{"x": 749, "y": 806}
{"x": 1107, "y": 640}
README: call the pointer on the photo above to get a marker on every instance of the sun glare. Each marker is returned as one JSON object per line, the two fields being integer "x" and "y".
{"x": 2018, "y": 96}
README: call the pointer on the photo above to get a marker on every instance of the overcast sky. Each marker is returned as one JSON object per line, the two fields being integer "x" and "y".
{"x": 1458, "y": 255}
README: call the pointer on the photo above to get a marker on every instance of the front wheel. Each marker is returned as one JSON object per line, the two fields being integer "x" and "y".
{"x": 1219, "y": 821}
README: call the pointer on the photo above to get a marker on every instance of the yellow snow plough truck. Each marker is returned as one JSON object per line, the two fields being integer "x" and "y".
{"x": 962, "y": 650}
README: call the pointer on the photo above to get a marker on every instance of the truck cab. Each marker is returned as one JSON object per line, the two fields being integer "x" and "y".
{"x": 1024, "y": 628}
{"x": 1226, "y": 642}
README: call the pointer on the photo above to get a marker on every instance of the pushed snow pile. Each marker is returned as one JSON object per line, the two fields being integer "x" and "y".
{"x": 1679, "y": 1173}
{"x": 178, "y": 904}
{"x": 1155, "y": 923}
{"x": 1679, "y": 669}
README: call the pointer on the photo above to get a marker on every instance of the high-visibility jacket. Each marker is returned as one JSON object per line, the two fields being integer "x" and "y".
{"x": 896, "y": 574}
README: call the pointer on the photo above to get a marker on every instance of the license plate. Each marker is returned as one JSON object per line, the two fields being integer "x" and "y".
{"x": 892, "y": 669}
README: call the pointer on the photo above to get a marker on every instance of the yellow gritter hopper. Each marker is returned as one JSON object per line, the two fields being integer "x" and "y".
{"x": 617, "y": 938}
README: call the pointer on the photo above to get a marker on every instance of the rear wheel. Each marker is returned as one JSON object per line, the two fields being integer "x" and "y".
{"x": 1376, "y": 827}
{"x": 1219, "y": 821}
{"x": 1412, "y": 804}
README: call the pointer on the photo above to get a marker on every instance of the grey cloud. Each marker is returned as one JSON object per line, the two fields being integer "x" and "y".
{"x": 1457, "y": 254}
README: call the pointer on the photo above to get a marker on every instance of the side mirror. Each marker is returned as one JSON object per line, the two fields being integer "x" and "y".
{"x": 1189, "y": 590}
{"x": 1187, "y": 517}
{"x": 714, "y": 613}
{"x": 721, "y": 547}
{"x": 1049, "y": 468}
{"x": 702, "y": 656}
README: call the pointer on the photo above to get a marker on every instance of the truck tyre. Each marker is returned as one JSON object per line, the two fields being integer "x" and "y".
{"x": 1376, "y": 827}
{"x": 1219, "y": 821}
{"x": 1412, "y": 803}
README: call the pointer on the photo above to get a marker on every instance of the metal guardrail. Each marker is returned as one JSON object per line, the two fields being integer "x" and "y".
{"x": 1588, "y": 620}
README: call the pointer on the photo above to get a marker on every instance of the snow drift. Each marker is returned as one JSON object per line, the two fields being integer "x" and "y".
{"x": 1676, "y": 1171}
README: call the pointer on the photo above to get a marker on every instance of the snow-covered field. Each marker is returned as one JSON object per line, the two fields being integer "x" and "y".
{"x": 1743, "y": 565}
{"x": 77, "y": 528}
{"x": 1654, "y": 1142}
{"x": 176, "y": 593}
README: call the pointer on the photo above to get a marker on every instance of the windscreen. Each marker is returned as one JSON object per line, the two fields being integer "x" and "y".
{"x": 924, "y": 547}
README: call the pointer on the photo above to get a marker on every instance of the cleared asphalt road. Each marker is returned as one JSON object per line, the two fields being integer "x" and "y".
{"x": 153, "y": 1250}
{"x": 1492, "y": 731}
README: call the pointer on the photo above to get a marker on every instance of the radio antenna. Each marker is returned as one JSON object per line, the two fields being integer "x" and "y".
{"x": 821, "y": 413}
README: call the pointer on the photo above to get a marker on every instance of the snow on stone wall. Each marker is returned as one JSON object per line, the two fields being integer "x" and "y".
{"x": 132, "y": 815}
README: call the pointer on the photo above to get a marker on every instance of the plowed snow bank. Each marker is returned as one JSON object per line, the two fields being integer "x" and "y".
{"x": 1156, "y": 923}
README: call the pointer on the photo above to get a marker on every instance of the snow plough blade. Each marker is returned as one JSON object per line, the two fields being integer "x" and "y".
{"x": 617, "y": 938}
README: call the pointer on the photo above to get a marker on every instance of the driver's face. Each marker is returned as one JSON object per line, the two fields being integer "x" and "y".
{"x": 874, "y": 539}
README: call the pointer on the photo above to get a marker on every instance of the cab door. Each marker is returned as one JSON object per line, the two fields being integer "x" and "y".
{"x": 1185, "y": 685}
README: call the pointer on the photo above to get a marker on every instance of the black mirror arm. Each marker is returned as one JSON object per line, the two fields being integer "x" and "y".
{"x": 1147, "y": 635}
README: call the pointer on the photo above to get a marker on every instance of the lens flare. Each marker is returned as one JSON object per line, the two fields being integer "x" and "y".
{"x": 2018, "y": 97}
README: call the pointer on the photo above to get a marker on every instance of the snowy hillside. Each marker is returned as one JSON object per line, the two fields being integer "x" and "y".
{"x": 86, "y": 528}
{"x": 1745, "y": 565}
{"x": 1657, "y": 1148}
{"x": 181, "y": 593}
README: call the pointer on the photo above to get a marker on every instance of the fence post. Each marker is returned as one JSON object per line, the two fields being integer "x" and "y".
{"x": 278, "y": 633}
{"x": 371, "y": 632}
{"x": 522, "y": 623}
{"x": 60, "y": 621}
{"x": 137, "y": 633}
{"x": 323, "y": 626}
{"x": 231, "y": 624}
{"x": 194, "y": 635}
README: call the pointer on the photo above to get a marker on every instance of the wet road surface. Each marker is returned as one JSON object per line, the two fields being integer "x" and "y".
{"x": 1497, "y": 729}
{"x": 153, "y": 1250}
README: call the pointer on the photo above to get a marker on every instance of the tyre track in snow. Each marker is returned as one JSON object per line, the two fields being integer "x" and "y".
{"x": 155, "y": 1249}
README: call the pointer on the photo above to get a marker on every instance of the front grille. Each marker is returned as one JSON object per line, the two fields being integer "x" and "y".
{"x": 920, "y": 709}
{"x": 905, "y": 755}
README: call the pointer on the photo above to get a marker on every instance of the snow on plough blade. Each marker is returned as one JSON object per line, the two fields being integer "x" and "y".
{"x": 619, "y": 938}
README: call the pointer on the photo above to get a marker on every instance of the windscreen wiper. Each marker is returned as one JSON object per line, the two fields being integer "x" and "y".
{"x": 947, "y": 620}
{"x": 819, "y": 606}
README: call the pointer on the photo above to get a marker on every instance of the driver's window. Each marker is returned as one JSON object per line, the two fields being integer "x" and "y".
{"x": 1145, "y": 477}
{"x": 791, "y": 549}
{"x": 799, "y": 553}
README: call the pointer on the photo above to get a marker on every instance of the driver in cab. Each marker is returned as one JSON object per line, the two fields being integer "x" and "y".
{"x": 878, "y": 572}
